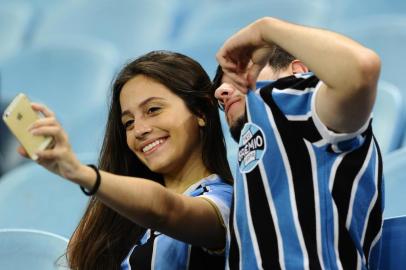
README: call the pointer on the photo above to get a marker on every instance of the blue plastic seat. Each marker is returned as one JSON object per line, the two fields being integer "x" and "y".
{"x": 87, "y": 134}
{"x": 33, "y": 198}
{"x": 389, "y": 117}
{"x": 394, "y": 165}
{"x": 385, "y": 34}
{"x": 70, "y": 78}
{"x": 22, "y": 249}
{"x": 218, "y": 20}
{"x": 393, "y": 251}
{"x": 133, "y": 27}
{"x": 15, "y": 18}
{"x": 343, "y": 10}
{"x": 203, "y": 51}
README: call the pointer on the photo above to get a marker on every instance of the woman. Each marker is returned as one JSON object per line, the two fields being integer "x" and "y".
{"x": 164, "y": 126}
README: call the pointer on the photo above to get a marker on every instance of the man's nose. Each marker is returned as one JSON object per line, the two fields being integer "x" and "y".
{"x": 224, "y": 91}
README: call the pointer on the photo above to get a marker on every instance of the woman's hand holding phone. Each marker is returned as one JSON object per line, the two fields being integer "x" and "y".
{"x": 59, "y": 158}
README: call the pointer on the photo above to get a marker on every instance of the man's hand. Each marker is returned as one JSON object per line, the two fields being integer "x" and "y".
{"x": 244, "y": 55}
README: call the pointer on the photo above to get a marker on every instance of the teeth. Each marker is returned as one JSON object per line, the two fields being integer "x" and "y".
{"x": 152, "y": 145}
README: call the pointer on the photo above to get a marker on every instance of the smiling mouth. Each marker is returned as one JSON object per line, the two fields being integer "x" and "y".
{"x": 153, "y": 145}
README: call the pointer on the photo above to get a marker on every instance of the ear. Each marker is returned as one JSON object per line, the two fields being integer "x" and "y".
{"x": 201, "y": 122}
{"x": 298, "y": 67}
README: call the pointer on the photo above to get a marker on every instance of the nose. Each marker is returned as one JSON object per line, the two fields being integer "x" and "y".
{"x": 142, "y": 130}
{"x": 224, "y": 92}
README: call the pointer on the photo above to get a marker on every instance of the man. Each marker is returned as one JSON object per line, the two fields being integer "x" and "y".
{"x": 308, "y": 192}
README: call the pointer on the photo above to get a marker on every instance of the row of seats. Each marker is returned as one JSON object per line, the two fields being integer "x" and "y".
{"x": 26, "y": 193}
{"x": 65, "y": 54}
{"x": 73, "y": 79}
{"x": 39, "y": 211}
{"x": 22, "y": 249}
{"x": 69, "y": 51}
{"x": 135, "y": 27}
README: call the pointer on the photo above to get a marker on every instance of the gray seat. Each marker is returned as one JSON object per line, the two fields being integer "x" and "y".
{"x": 33, "y": 198}
{"x": 22, "y": 249}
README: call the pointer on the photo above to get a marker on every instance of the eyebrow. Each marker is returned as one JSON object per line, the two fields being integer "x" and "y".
{"x": 143, "y": 103}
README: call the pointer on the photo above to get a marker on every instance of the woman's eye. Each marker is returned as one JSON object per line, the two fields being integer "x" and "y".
{"x": 128, "y": 124}
{"x": 153, "y": 110}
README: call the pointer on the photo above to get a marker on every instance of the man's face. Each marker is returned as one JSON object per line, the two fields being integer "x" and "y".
{"x": 232, "y": 100}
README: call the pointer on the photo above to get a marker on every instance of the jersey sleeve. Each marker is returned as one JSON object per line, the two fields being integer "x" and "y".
{"x": 339, "y": 142}
{"x": 219, "y": 194}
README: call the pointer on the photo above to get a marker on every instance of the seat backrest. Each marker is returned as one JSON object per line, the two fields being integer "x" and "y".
{"x": 343, "y": 10}
{"x": 386, "y": 35}
{"x": 218, "y": 20}
{"x": 389, "y": 117}
{"x": 394, "y": 165}
{"x": 87, "y": 134}
{"x": 31, "y": 197}
{"x": 70, "y": 78}
{"x": 393, "y": 248}
{"x": 15, "y": 18}
{"x": 22, "y": 249}
{"x": 203, "y": 51}
{"x": 134, "y": 27}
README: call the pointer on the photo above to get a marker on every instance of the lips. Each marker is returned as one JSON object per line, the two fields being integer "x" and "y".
{"x": 229, "y": 103}
{"x": 151, "y": 145}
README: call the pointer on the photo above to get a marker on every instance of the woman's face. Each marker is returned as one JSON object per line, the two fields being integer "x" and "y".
{"x": 160, "y": 129}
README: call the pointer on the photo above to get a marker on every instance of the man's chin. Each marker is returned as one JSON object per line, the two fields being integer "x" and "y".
{"x": 237, "y": 126}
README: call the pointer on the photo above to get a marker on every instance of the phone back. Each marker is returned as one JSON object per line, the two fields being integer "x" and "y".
{"x": 18, "y": 116}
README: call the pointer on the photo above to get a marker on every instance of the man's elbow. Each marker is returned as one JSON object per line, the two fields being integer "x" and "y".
{"x": 369, "y": 67}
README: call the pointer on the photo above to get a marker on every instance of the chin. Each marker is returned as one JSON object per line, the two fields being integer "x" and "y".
{"x": 159, "y": 168}
{"x": 237, "y": 126}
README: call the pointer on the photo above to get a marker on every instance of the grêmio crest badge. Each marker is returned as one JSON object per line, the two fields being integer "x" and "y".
{"x": 251, "y": 147}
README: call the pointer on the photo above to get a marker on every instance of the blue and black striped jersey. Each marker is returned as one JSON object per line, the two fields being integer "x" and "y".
{"x": 304, "y": 197}
{"x": 158, "y": 251}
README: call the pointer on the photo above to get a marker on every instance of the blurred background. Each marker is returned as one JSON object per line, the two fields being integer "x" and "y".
{"x": 65, "y": 53}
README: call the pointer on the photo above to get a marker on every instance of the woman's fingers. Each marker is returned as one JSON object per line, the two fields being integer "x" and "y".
{"x": 22, "y": 151}
{"x": 42, "y": 109}
{"x": 48, "y": 125}
{"x": 47, "y": 121}
{"x": 54, "y": 131}
{"x": 48, "y": 154}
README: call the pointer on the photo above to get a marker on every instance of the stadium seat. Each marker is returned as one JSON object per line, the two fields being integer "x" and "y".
{"x": 33, "y": 198}
{"x": 395, "y": 183}
{"x": 203, "y": 51}
{"x": 217, "y": 20}
{"x": 393, "y": 249}
{"x": 343, "y": 10}
{"x": 70, "y": 78}
{"x": 22, "y": 249}
{"x": 386, "y": 35}
{"x": 389, "y": 117}
{"x": 15, "y": 18}
{"x": 87, "y": 134}
{"x": 133, "y": 27}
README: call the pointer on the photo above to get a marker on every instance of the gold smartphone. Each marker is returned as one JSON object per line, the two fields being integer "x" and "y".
{"x": 18, "y": 116}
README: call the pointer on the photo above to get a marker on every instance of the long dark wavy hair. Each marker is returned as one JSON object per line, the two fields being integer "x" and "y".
{"x": 103, "y": 237}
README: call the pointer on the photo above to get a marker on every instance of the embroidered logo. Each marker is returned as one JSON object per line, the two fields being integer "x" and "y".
{"x": 251, "y": 147}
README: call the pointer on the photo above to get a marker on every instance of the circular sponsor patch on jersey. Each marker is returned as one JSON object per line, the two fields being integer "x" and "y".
{"x": 251, "y": 147}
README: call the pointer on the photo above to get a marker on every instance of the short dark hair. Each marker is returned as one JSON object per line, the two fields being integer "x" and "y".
{"x": 280, "y": 59}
